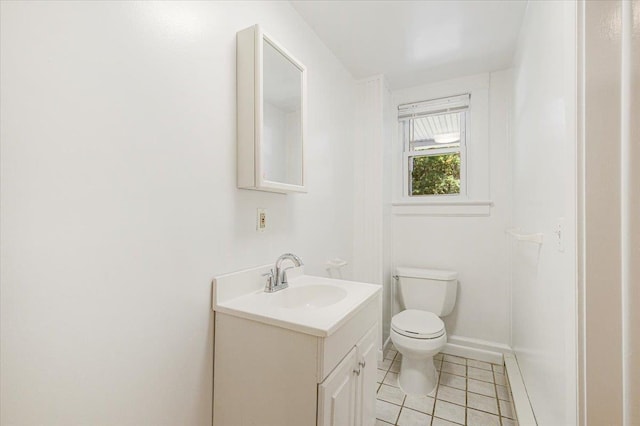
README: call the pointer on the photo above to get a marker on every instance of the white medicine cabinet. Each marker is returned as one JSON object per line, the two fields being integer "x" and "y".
{"x": 271, "y": 114}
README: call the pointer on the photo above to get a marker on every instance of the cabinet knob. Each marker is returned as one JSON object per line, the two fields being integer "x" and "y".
{"x": 362, "y": 364}
{"x": 357, "y": 371}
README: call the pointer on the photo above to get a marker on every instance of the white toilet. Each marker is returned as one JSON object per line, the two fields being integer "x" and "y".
{"x": 417, "y": 332}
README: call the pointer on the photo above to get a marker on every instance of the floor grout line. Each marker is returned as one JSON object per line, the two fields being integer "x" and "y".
{"x": 433, "y": 409}
{"x": 405, "y": 395}
{"x": 496, "y": 391}
{"x": 435, "y": 398}
{"x": 435, "y": 395}
{"x": 448, "y": 402}
{"x": 466, "y": 393}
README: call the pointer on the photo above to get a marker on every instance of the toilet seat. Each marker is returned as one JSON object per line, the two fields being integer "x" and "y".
{"x": 418, "y": 324}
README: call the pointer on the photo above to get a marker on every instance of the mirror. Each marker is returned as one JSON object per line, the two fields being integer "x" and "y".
{"x": 282, "y": 106}
{"x": 271, "y": 115}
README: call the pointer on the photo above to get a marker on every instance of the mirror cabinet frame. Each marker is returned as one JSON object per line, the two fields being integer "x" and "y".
{"x": 250, "y": 112}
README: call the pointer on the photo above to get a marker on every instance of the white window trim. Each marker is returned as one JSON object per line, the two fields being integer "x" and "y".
{"x": 443, "y": 208}
{"x": 476, "y": 200}
{"x": 406, "y": 172}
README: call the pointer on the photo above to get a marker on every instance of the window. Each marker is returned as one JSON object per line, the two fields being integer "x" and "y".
{"x": 434, "y": 143}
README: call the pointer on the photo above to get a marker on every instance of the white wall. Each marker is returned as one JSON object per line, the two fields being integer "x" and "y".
{"x": 372, "y": 195}
{"x": 544, "y": 190}
{"x": 389, "y": 118}
{"x": 475, "y": 246}
{"x": 119, "y": 201}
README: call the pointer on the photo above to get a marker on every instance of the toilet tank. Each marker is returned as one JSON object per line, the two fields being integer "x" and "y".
{"x": 429, "y": 290}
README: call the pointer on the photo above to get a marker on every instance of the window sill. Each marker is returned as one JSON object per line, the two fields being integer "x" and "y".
{"x": 442, "y": 208}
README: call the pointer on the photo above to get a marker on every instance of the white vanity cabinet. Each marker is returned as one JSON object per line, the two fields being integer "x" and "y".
{"x": 347, "y": 396}
{"x": 273, "y": 369}
{"x": 337, "y": 394}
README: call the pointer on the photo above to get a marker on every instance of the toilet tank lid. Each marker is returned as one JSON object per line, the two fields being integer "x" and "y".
{"x": 432, "y": 274}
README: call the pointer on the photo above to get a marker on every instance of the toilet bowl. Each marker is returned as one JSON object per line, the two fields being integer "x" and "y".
{"x": 418, "y": 336}
{"x": 418, "y": 333}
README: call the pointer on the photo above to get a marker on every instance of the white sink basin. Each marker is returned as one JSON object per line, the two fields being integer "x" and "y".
{"x": 312, "y": 296}
{"x": 311, "y": 305}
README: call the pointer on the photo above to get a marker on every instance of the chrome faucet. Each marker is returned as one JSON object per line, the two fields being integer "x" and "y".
{"x": 278, "y": 281}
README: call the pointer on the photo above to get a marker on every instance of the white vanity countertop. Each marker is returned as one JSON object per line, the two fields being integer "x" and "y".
{"x": 291, "y": 308}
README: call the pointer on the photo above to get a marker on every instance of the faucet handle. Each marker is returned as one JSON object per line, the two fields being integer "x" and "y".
{"x": 269, "y": 275}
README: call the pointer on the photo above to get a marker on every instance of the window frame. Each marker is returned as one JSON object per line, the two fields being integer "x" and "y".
{"x": 439, "y": 108}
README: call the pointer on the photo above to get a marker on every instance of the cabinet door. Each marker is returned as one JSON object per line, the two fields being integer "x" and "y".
{"x": 336, "y": 395}
{"x": 366, "y": 390}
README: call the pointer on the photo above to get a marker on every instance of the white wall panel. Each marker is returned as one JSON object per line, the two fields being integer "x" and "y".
{"x": 477, "y": 247}
{"x": 119, "y": 200}
{"x": 544, "y": 192}
{"x": 372, "y": 190}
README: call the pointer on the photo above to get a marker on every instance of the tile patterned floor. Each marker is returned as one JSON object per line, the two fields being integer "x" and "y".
{"x": 469, "y": 392}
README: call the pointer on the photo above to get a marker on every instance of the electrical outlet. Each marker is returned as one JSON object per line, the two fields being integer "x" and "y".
{"x": 261, "y": 220}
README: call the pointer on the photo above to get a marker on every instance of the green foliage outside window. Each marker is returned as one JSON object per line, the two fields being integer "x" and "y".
{"x": 436, "y": 174}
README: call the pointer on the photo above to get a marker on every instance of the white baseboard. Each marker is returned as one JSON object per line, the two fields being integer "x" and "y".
{"x": 467, "y": 347}
{"x": 521, "y": 402}
{"x": 387, "y": 343}
{"x": 478, "y": 354}
{"x": 385, "y": 346}
{"x": 480, "y": 344}
{"x": 481, "y": 350}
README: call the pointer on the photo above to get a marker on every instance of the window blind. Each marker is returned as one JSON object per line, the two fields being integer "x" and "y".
{"x": 435, "y": 106}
